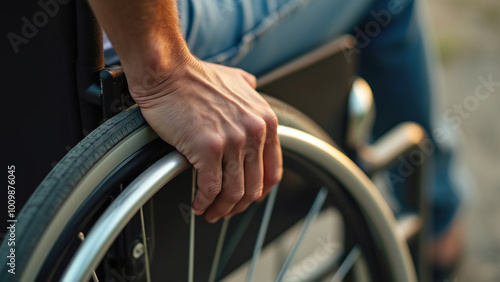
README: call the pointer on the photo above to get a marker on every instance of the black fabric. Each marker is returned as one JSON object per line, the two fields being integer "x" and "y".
{"x": 40, "y": 106}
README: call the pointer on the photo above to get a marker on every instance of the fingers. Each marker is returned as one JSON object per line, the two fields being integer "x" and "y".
{"x": 247, "y": 162}
{"x": 243, "y": 175}
{"x": 209, "y": 186}
{"x": 233, "y": 188}
{"x": 248, "y": 77}
{"x": 232, "y": 192}
{"x": 272, "y": 156}
{"x": 209, "y": 173}
{"x": 254, "y": 168}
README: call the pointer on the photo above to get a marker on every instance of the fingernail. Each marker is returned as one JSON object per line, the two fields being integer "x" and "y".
{"x": 197, "y": 212}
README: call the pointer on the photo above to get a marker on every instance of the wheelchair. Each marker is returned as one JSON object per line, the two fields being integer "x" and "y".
{"x": 117, "y": 206}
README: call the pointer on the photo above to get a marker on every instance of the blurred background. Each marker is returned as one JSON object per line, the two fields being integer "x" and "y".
{"x": 466, "y": 35}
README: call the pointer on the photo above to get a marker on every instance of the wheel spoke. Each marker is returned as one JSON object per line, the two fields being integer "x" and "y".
{"x": 347, "y": 264}
{"x": 236, "y": 235}
{"x": 218, "y": 250}
{"x": 81, "y": 236}
{"x": 264, "y": 224}
{"x": 313, "y": 212}
{"x": 146, "y": 251}
{"x": 191, "y": 231}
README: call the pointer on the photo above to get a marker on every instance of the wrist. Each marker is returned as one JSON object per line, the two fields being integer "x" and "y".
{"x": 156, "y": 64}
{"x": 146, "y": 37}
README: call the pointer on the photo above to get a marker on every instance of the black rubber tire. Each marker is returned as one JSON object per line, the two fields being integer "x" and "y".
{"x": 59, "y": 183}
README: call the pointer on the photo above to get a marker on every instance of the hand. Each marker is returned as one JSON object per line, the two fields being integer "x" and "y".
{"x": 227, "y": 131}
{"x": 210, "y": 113}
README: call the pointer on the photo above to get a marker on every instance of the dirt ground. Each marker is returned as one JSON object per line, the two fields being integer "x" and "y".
{"x": 466, "y": 35}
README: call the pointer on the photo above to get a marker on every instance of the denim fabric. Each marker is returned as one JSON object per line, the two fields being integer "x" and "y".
{"x": 396, "y": 65}
{"x": 258, "y": 35}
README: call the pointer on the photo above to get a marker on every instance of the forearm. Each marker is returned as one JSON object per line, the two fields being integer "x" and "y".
{"x": 145, "y": 35}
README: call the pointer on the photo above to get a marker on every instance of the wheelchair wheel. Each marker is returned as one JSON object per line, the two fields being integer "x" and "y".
{"x": 116, "y": 208}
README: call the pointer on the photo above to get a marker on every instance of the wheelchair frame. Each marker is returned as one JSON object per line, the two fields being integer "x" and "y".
{"x": 88, "y": 67}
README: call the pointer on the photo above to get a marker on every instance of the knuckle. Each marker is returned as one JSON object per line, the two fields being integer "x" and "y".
{"x": 271, "y": 122}
{"x": 212, "y": 189}
{"x": 213, "y": 143}
{"x": 254, "y": 195}
{"x": 237, "y": 137}
{"x": 258, "y": 128}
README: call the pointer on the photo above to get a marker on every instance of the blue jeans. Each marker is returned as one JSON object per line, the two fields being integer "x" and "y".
{"x": 258, "y": 35}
